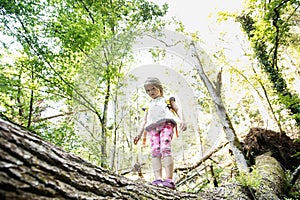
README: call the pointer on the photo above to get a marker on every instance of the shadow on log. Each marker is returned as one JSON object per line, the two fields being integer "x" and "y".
{"x": 31, "y": 168}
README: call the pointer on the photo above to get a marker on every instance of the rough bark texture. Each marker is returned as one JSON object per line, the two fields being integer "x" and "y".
{"x": 31, "y": 168}
{"x": 273, "y": 182}
{"x": 34, "y": 169}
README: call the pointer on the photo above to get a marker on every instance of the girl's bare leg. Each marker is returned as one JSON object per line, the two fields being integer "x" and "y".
{"x": 157, "y": 167}
{"x": 169, "y": 166}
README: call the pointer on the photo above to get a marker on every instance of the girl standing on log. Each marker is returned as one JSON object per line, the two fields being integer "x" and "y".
{"x": 159, "y": 122}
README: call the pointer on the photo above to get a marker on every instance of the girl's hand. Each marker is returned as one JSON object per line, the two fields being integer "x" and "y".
{"x": 136, "y": 139}
{"x": 182, "y": 126}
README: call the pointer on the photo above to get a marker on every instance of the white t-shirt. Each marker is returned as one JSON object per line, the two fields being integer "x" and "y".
{"x": 158, "y": 112}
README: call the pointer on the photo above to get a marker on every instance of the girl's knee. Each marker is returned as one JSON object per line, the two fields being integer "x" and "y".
{"x": 166, "y": 151}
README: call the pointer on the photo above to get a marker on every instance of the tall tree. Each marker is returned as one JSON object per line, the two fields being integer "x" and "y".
{"x": 269, "y": 26}
{"x": 215, "y": 93}
{"x": 58, "y": 36}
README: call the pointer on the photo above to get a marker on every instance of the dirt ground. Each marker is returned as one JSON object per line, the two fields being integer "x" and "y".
{"x": 259, "y": 141}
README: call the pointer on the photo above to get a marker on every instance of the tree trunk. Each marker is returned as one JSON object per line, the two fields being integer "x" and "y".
{"x": 34, "y": 169}
{"x": 273, "y": 181}
{"x": 221, "y": 111}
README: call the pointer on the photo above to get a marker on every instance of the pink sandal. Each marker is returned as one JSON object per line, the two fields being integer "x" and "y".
{"x": 169, "y": 183}
{"x": 157, "y": 182}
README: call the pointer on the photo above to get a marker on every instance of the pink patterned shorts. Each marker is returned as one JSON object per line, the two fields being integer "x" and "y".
{"x": 160, "y": 138}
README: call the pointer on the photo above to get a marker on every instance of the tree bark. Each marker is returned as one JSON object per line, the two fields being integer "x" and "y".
{"x": 221, "y": 111}
{"x": 273, "y": 181}
{"x": 31, "y": 168}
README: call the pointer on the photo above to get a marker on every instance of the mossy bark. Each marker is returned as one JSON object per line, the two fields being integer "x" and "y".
{"x": 273, "y": 180}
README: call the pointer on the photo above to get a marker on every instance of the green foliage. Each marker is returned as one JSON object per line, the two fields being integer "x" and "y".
{"x": 55, "y": 38}
{"x": 249, "y": 180}
{"x": 60, "y": 133}
{"x": 268, "y": 26}
{"x": 293, "y": 190}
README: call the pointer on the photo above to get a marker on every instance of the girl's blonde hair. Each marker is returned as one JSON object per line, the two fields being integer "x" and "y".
{"x": 156, "y": 82}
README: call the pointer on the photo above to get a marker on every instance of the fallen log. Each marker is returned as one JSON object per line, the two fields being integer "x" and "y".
{"x": 31, "y": 168}
{"x": 273, "y": 181}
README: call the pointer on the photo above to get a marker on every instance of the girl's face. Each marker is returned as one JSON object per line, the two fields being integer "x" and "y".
{"x": 153, "y": 91}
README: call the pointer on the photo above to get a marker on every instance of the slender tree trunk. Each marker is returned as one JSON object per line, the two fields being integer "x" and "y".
{"x": 31, "y": 102}
{"x": 269, "y": 103}
{"x": 115, "y": 135}
{"x": 20, "y": 103}
{"x": 221, "y": 111}
{"x": 104, "y": 125}
{"x": 115, "y": 127}
{"x": 30, "y": 109}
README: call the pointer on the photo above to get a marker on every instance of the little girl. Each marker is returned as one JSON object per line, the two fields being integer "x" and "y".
{"x": 159, "y": 122}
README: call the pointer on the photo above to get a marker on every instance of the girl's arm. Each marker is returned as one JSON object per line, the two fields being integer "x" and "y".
{"x": 142, "y": 129}
{"x": 179, "y": 113}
